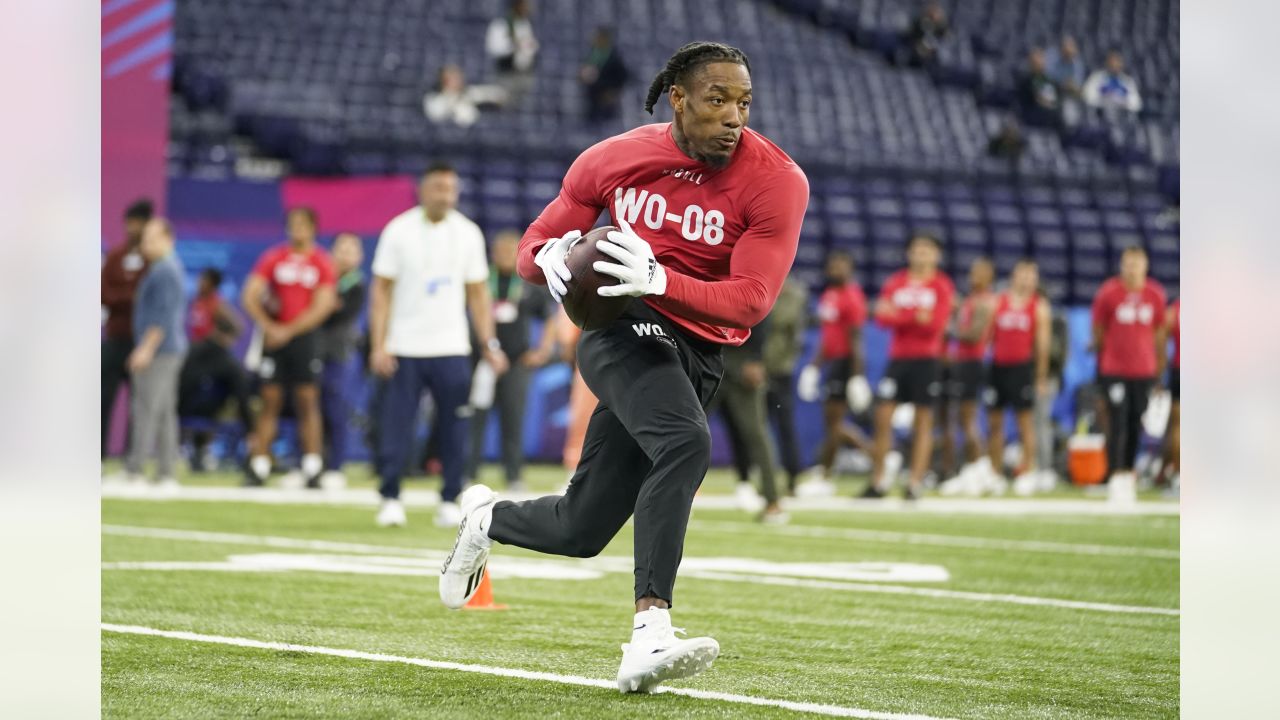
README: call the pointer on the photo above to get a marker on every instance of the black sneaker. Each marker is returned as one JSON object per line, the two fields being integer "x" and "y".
{"x": 251, "y": 480}
{"x": 313, "y": 482}
{"x": 872, "y": 492}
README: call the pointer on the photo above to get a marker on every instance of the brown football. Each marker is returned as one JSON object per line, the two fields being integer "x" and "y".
{"x": 585, "y": 308}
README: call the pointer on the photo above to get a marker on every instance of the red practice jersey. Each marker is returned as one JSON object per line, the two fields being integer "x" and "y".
{"x": 727, "y": 237}
{"x": 200, "y": 316}
{"x": 1013, "y": 336}
{"x": 840, "y": 309}
{"x": 1128, "y": 321}
{"x": 1175, "y": 330}
{"x": 294, "y": 277}
{"x": 912, "y": 338}
{"x": 977, "y": 349}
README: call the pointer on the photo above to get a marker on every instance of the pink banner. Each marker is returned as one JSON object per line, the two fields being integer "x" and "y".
{"x": 137, "y": 42}
{"x": 361, "y": 205}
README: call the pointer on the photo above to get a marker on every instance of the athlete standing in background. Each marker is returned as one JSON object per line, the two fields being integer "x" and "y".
{"x": 1019, "y": 368}
{"x": 915, "y": 305}
{"x": 968, "y": 376}
{"x": 842, "y": 311}
{"x": 709, "y": 213}
{"x": 1129, "y": 336}
{"x": 298, "y": 278}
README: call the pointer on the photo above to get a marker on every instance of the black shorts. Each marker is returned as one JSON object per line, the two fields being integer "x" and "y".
{"x": 964, "y": 380}
{"x": 1012, "y": 386}
{"x": 1175, "y": 382}
{"x": 916, "y": 380}
{"x": 296, "y": 362}
{"x": 837, "y": 374}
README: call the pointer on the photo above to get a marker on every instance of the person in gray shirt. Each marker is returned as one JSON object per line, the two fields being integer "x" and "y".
{"x": 156, "y": 361}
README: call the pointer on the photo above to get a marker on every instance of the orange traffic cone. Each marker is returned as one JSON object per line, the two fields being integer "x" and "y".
{"x": 483, "y": 599}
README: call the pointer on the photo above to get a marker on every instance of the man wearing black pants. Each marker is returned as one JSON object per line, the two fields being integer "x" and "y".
{"x": 781, "y": 351}
{"x": 1129, "y": 335}
{"x": 709, "y": 259}
{"x": 122, "y": 269}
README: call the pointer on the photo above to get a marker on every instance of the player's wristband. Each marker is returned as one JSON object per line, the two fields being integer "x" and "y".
{"x": 493, "y": 344}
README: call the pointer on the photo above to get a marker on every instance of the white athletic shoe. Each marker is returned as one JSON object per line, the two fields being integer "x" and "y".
{"x": 448, "y": 515}
{"x": 333, "y": 480}
{"x": 747, "y": 498}
{"x": 656, "y": 655}
{"x": 463, "y": 570}
{"x": 1046, "y": 481}
{"x": 391, "y": 514}
{"x": 962, "y": 483}
{"x": 1122, "y": 489}
{"x": 293, "y": 480}
{"x": 816, "y": 485}
{"x": 168, "y": 486}
{"x": 1026, "y": 484}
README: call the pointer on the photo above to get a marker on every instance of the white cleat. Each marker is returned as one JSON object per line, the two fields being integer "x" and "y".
{"x": 1026, "y": 484}
{"x": 747, "y": 498}
{"x": 293, "y": 480}
{"x": 333, "y": 480}
{"x": 169, "y": 487}
{"x": 892, "y": 468}
{"x": 463, "y": 570}
{"x": 391, "y": 514}
{"x": 448, "y": 515}
{"x": 1046, "y": 481}
{"x": 817, "y": 485}
{"x": 656, "y": 655}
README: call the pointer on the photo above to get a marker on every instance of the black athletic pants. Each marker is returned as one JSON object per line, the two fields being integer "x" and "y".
{"x": 1126, "y": 402}
{"x": 646, "y": 451}
{"x": 780, "y": 402}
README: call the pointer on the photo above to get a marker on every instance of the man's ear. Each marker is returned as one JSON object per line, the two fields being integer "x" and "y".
{"x": 676, "y": 97}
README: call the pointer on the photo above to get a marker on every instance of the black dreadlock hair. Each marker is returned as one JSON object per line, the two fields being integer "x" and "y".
{"x": 688, "y": 58}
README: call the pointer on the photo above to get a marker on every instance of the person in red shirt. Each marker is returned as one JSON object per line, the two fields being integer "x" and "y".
{"x": 1129, "y": 337}
{"x": 122, "y": 270}
{"x": 915, "y": 305}
{"x": 709, "y": 215}
{"x": 842, "y": 311}
{"x": 1019, "y": 368}
{"x": 211, "y": 373}
{"x": 299, "y": 279}
{"x": 1173, "y": 434}
{"x": 965, "y": 371}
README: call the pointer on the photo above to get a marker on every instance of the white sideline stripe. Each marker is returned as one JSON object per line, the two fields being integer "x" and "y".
{"x": 419, "y": 498}
{"x": 301, "y": 544}
{"x": 965, "y": 541}
{"x": 934, "y": 593}
{"x": 813, "y": 708}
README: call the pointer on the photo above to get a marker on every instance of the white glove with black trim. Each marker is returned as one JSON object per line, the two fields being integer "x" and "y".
{"x": 637, "y": 270}
{"x": 858, "y": 393}
{"x": 551, "y": 259}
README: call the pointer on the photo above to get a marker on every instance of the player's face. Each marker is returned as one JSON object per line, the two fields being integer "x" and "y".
{"x": 155, "y": 241}
{"x": 1133, "y": 267}
{"x": 299, "y": 227}
{"x": 133, "y": 228}
{"x": 1025, "y": 278}
{"x": 712, "y": 111}
{"x": 438, "y": 193}
{"x": 839, "y": 269}
{"x": 923, "y": 256}
{"x": 981, "y": 274}
{"x": 347, "y": 252}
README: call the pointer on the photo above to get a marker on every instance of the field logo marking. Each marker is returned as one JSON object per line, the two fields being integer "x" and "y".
{"x": 515, "y": 673}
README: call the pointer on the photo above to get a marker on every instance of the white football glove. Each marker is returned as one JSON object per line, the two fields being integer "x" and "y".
{"x": 551, "y": 259}
{"x": 637, "y": 270}
{"x": 808, "y": 386}
{"x": 858, "y": 393}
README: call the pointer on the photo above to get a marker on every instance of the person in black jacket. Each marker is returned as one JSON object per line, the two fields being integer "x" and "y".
{"x": 338, "y": 337}
{"x": 603, "y": 74}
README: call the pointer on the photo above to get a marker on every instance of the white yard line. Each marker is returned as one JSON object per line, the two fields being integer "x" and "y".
{"x": 304, "y": 544}
{"x": 415, "y": 498}
{"x": 515, "y": 673}
{"x": 933, "y": 593}
{"x": 907, "y": 538}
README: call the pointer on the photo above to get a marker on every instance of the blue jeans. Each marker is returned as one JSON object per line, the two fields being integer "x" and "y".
{"x": 449, "y": 381}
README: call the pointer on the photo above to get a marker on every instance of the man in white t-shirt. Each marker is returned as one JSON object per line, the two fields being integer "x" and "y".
{"x": 429, "y": 269}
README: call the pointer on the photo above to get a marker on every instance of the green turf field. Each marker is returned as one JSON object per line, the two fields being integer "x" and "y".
{"x": 862, "y": 614}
